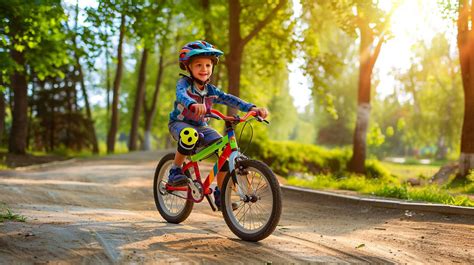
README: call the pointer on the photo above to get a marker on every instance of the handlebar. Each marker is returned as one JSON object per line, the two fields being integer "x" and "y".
{"x": 212, "y": 113}
{"x": 219, "y": 115}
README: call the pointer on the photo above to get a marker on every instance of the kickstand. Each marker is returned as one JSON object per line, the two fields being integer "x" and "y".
{"x": 211, "y": 203}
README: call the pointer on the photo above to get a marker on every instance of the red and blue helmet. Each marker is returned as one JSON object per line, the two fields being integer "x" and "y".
{"x": 198, "y": 48}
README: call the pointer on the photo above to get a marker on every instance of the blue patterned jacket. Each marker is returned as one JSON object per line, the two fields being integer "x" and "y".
{"x": 187, "y": 94}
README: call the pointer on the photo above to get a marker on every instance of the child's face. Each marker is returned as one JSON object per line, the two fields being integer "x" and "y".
{"x": 201, "y": 68}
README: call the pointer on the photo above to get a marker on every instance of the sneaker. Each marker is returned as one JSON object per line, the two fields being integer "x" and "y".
{"x": 177, "y": 178}
{"x": 217, "y": 200}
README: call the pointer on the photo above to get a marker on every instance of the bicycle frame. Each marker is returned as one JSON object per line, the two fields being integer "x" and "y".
{"x": 229, "y": 144}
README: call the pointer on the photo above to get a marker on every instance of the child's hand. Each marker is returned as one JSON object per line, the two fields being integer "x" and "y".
{"x": 262, "y": 112}
{"x": 198, "y": 109}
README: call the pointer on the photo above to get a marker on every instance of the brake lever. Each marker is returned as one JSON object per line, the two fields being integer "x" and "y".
{"x": 260, "y": 119}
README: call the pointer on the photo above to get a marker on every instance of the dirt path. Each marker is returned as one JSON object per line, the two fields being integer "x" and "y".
{"x": 102, "y": 211}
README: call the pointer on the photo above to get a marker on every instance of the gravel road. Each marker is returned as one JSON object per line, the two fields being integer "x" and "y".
{"x": 102, "y": 211}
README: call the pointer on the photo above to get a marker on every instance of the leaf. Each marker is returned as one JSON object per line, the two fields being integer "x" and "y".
{"x": 360, "y": 246}
{"x": 19, "y": 47}
{"x": 31, "y": 44}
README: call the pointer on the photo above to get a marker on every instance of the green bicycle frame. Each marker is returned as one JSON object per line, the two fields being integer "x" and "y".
{"x": 228, "y": 144}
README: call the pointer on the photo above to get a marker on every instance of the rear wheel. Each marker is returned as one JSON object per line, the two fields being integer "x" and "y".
{"x": 172, "y": 206}
{"x": 258, "y": 210}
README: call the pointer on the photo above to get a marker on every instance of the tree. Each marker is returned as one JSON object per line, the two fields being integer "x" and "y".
{"x": 33, "y": 38}
{"x": 371, "y": 40}
{"x": 329, "y": 54}
{"x": 151, "y": 105}
{"x": 237, "y": 42}
{"x": 465, "y": 41}
{"x": 151, "y": 23}
{"x": 79, "y": 52}
{"x": 433, "y": 84}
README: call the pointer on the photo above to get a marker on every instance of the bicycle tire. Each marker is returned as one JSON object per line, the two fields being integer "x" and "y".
{"x": 166, "y": 211}
{"x": 229, "y": 193}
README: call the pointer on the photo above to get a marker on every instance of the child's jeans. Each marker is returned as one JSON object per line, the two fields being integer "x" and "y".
{"x": 210, "y": 135}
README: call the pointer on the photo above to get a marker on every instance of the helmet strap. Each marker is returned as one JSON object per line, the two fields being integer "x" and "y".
{"x": 202, "y": 83}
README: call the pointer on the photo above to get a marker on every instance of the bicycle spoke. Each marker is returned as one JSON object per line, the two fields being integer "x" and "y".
{"x": 243, "y": 215}
{"x": 260, "y": 216}
{"x": 264, "y": 186}
{"x": 262, "y": 209}
{"x": 251, "y": 183}
{"x": 251, "y": 217}
{"x": 240, "y": 210}
{"x": 258, "y": 186}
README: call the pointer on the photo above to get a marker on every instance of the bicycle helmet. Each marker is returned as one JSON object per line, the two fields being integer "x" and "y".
{"x": 198, "y": 48}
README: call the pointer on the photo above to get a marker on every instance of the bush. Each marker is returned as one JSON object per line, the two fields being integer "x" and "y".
{"x": 289, "y": 157}
{"x": 286, "y": 158}
{"x": 375, "y": 169}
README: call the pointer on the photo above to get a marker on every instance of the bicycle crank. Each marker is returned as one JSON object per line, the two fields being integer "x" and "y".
{"x": 195, "y": 191}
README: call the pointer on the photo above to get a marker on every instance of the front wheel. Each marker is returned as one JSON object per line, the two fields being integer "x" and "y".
{"x": 256, "y": 198}
{"x": 173, "y": 206}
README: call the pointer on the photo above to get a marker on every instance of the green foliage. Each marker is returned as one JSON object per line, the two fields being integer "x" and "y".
{"x": 375, "y": 169}
{"x": 286, "y": 157}
{"x": 7, "y": 215}
{"x": 35, "y": 30}
{"x": 470, "y": 188}
{"x": 375, "y": 137}
{"x": 434, "y": 193}
{"x": 383, "y": 188}
{"x": 58, "y": 120}
{"x": 432, "y": 85}
{"x": 392, "y": 191}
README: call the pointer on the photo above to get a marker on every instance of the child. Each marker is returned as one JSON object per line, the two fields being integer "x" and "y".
{"x": 194, "y": 96}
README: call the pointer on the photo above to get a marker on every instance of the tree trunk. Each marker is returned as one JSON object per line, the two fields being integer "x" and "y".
{"x": 150, "y": 113}
{"x": 139, "y": 97}
{"x": 52, "y": 125}
{"x": 19, "y": 130}
{"x": 31, "y": 111}
{"x": 95, "y": 145}
{"x": 357, "y": 163}
{"x": 2, "y": 116}
{"x": 465, "y": 41}
{"x": 207, "y": 25}
{"x": 237, "y": 44}
{"x": 107, "y": 72}
{"x": 367, "y": 60}
{"x": 91, "y": 128}
{"x": 234, "y": 58}
{"x": 115, "y": 101}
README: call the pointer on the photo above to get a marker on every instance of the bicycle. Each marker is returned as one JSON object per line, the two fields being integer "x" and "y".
{"x": 249, "y": 183}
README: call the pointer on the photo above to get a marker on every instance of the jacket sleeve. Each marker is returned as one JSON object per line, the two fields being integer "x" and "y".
{"x": 181, "y": 93}
{"x": 231, "y": 100}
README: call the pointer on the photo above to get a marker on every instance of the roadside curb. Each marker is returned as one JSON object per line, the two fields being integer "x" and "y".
{"x": 383, "y": 203}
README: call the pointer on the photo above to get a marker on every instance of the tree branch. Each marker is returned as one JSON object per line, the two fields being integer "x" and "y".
{"x": 375, "y": 55}
{"x": 264, "y": 22}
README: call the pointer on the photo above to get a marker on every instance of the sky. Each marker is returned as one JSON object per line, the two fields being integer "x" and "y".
{"x": 413, "y": 20}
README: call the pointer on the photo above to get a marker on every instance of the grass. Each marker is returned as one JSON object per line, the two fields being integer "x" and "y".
{"x": 384, "y": 188}
{"x": 7, "y": 215}
{"x": 406, "y": 171}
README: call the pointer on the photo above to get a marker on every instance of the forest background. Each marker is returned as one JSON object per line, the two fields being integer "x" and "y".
{"x": 88, "y": 78}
